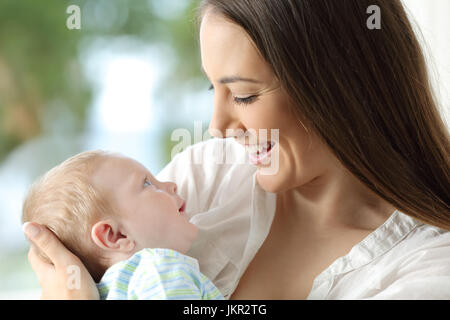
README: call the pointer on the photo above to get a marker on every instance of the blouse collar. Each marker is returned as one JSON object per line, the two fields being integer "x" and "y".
{"x": 381, "y": 240}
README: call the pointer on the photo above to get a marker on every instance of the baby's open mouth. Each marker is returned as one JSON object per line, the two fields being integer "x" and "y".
{"x": 183, "y": 207}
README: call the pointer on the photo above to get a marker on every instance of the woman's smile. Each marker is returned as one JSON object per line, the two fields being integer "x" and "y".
{"x": 260, "y": 154}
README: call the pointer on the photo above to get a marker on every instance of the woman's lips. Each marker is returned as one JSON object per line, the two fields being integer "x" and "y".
{"x": 259, "y": 154}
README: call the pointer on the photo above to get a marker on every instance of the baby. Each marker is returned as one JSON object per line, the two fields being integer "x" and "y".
{"x": 129, "y": 229}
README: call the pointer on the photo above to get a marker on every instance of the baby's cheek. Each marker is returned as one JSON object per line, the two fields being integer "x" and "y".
{"x": 143, "y": 228}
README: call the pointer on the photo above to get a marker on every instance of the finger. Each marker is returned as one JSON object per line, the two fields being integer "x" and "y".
{"x": 48, "y": 243}
{"x": 39, "y": 266}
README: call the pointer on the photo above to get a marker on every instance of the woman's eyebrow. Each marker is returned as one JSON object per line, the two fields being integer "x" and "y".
{"x": 233, "y": 79}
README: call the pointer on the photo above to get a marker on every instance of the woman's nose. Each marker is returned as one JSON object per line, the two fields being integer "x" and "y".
{"x": 224, "y": 122}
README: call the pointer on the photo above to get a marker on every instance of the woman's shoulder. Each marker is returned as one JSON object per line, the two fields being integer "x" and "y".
{"x": 428, "y": 236}
{"x": 424, "y": 249}
{"x": 406, "y": 235}
{"x": 417, "y": 268}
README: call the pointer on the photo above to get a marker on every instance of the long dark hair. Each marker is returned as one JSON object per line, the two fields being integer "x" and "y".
{"x": 365, "y": 92}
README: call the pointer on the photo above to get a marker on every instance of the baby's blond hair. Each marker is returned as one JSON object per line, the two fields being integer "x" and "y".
{"x": 66, "y": 201}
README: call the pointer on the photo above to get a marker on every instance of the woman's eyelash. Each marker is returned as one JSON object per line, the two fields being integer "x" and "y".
{"x": 245, "y": 101}
{"x": 240, "y": 101}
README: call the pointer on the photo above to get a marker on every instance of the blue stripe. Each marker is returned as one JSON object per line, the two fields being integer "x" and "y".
{"x": 151, "y": 265}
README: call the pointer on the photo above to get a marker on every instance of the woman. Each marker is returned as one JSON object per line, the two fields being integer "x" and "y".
{"x": 359, "y": 207}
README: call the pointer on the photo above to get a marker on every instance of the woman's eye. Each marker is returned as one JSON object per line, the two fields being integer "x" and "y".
{"x": 245, "y": 101}
{"x": 240, "y": 101}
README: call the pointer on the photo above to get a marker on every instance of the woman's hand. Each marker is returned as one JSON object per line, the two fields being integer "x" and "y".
{"x": 67, "y": 277}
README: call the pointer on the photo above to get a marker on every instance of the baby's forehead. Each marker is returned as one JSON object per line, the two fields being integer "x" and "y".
{"x": 119, "y": 167}
{"x": 122, "y": 161}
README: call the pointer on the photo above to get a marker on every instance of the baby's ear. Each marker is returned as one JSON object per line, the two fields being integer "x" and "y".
{"x": 106, "y": 234}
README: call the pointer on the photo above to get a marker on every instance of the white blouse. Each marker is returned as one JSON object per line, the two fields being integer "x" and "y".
{"x": 402, "y": 259}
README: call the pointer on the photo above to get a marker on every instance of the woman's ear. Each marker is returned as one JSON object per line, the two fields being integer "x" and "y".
{"x": 107, "y": 235}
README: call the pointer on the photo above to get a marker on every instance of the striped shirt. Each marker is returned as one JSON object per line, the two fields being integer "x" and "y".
{"x": 157, "y": 274}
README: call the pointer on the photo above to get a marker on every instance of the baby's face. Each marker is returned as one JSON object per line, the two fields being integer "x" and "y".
{"x": 150, "y": 211}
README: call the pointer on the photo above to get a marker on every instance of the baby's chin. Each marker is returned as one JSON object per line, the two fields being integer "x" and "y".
{"x": 185, "y": 244}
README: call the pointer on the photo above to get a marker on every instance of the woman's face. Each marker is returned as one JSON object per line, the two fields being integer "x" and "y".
{"x": 248, "y": 98}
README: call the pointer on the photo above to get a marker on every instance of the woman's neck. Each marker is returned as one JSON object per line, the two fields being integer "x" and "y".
{"x": 335, "y": 199}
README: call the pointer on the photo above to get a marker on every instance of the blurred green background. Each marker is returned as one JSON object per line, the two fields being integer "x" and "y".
{"x": 123, "y": 82}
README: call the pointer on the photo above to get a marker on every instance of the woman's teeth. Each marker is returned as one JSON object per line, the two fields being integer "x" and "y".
{"x": 260, "y": 154}
{"x": 259, "y": 148}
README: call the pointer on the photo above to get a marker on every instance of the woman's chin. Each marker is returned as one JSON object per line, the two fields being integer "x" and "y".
{"x": 269, "y": 182}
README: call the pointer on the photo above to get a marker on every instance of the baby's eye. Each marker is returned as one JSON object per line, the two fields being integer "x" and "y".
{"x": 147, "y": 183}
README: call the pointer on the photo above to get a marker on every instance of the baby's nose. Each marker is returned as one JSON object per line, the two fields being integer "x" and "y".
{"x": 171, "y": 187}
